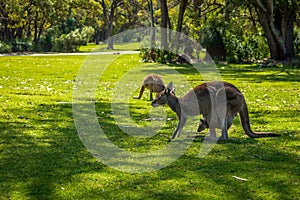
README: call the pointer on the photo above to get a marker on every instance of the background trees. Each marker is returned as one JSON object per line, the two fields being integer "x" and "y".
{"x": 277, "y": 19}
{"x": 109, "y": 9}
{"x": 232, "y": 30}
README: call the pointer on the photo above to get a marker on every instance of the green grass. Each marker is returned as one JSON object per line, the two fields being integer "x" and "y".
{"x": 103, "y": 47}
{"x": 42, "y": 157}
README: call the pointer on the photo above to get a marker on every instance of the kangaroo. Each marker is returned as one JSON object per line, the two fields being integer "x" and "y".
{"x": 154, "y": 83}
{"x": 186, "y": 106}
{"x": 227, "y": 98}
{"x": 233, "y": 99}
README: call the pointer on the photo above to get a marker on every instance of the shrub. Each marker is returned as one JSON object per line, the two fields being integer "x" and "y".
{"x": 212, "y": 40}
{"x": 245, "y": 48}
{"x": 5, "y": 48}
{"x": 72, "y": 41}
{"x": 87, "y": 33}
{"x": 21, "y": 45}
{"x": 69, "y": 42}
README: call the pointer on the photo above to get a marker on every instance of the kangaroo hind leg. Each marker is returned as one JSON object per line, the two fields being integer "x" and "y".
{"x": 225, "y": 130}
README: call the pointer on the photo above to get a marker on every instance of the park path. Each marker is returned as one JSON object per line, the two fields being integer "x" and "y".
{"x": 73, "y": 54}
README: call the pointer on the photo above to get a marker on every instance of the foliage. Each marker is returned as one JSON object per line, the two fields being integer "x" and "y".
{"x": 4, "y": 48}
{"x": 68, "y": 42}
{"x": 278, "y": 19}
{"x": 43, "y": 158}
{"x": 233, "y": 32}
{"x": 72, "y": 41}
{"x": 158, "y": 55}
{"x": 40, "y": 23}
{"x": 213, "y": 41}
{"x": 87, "y": 33}
{"x": 21, "y": 45}
{"x": 242, "y": 48}
{"x": 35, "y": 21}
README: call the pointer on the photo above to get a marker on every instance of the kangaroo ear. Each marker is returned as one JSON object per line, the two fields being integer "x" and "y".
{"x": 170, "y": 87}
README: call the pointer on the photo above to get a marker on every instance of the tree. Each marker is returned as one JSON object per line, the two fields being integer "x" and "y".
{"x": 182, "y": 9}
{"x": 109, "y": 10}
{"x": 164, "y": 24}
{"x": 277, "y": 19}
{"x": 28, "y": 20}
{"x": 152, "y": 32}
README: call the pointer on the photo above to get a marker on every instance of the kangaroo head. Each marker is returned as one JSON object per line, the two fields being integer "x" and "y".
{"x": 162, "y": 97}
{"x": 202, "y": 125}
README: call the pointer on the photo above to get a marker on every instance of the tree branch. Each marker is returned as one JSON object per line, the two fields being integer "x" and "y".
{"x": 260, "y": 4}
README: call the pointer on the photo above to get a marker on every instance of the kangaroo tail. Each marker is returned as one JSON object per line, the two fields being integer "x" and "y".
{"x": 141, "y": 92}
{"x": 245, "y": 121}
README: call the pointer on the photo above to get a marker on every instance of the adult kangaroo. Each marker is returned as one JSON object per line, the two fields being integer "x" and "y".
{"x": 219, "y": 112}
{"x": 154, "y": 83}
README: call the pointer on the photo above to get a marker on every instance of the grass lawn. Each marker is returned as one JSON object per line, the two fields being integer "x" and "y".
{"x": 42, "y": 157}
{"x": 103, "y": 47}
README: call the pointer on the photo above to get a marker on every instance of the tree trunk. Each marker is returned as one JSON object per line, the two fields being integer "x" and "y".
{"x": 152, "y": 32}
{"x": 110, "y": 26}
{"x": 150, "y": 2}
{"x": 107, "y": 20}
{"x": 164, "y": 24}
{"x": 289, "y": 18}
{"x": 277, "y": 22}
{"x": 109, "y": 35}
{"x": 97, "y": 36}
{"x": 182, "y": 8}
{"x": 114, "y": 5}
{"x": 41, "y": 29}
{"x": 35, "y": 27}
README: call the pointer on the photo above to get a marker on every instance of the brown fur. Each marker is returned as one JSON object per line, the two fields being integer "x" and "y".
{"x": 226, "y": 102}
{"x": 154, "y": 83}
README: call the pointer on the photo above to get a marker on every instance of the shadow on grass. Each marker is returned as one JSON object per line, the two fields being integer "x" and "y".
{"x": 41, "y": 154}
{"x": 250, "y": 73}
{"x": 265, "y": 168}
{"x": 257, "y": 74}
{"x": 42, "y": 157}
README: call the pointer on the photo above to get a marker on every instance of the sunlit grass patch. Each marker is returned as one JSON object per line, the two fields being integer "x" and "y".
{"x": 103, "y": 47}
{"x": 42, "y": 157}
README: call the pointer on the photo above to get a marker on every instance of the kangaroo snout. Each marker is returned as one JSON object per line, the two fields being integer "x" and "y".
{"x": 154, "y": 104}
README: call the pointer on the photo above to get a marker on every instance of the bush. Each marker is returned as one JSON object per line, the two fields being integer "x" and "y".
{"x": 42, "y": 46}
{"x": 158, "y": 55}
{"x": 72, "y": 41}
{"x": 45, "y": 43}
{"x": 212, "y": 40}
{"x": 21, "y": 45}
{"x": 5, "y": 48}
{"x": 245, "y": 48}
{"x": 87, "y": 33}
{"x": 69, "y": 42}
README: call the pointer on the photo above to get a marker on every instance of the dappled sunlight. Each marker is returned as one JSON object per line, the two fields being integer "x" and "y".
{"x": 42, "y": 155}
